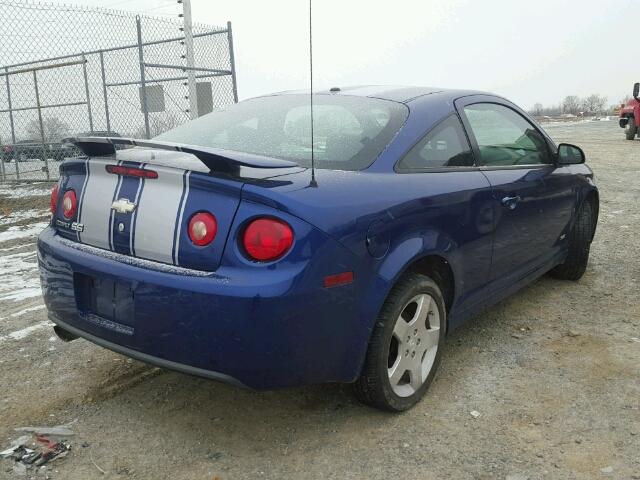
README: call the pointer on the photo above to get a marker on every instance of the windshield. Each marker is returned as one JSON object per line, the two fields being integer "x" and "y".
{"x": 349, "y": 132}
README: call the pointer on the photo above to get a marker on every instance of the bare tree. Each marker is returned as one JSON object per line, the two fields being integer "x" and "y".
{"x": 159, "y": 123}
{"x": 54, "y": 130}
{"x": 594, "y": 104}
{"x": 537, "y": 109}
{"x": 571, "y": 104}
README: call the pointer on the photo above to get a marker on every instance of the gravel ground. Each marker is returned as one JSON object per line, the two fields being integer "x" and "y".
{"x": 553, "y": 371}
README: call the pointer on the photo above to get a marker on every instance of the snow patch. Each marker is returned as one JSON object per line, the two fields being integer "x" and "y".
{"x": 19, "y": 277}
{"x": 22, "y": 312}
{"x": 23, "y": 231}
{"x": 25, "y": 332}
{"x": 21, "y": 190}
{"x": 23, "y": 294}
{"x": 18, "y": 216}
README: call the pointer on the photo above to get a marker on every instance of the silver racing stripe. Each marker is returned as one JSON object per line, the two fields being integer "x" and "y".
{"x": 157, "y": 212}
{"x": 183, "y": 202}
{"x": 116, "y": 196}
{"x": 132, "y": 250}
{"x": 95, "y": 207}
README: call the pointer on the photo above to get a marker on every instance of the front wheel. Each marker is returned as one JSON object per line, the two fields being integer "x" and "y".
{"x": 631, "y": 129}
{"x": 580, "y": 238}
{"x": 405, "y": 347}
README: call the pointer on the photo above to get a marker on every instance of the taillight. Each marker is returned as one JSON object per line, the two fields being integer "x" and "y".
{"x": 69, "y": 204}
{"x": 54, "y": 199}
{"x": 267, "y": 239}
{"x": 202, "y": 228}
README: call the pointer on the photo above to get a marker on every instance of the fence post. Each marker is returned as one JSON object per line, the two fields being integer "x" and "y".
{"x": 233, "y": 63}
{"x": 86, "y": 89}
{"x": 11, "y": 122}
{"x": 4, "y": 177}
{"x": 145, "y": 109}
{"x": 44, "y": 146}
{"x": 104, "y": 91}
{"x": 188, "y": 44}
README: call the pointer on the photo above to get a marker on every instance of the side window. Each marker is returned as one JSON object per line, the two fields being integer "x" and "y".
{"x": 444, "y": 146}
{"x": 505, "y": 137}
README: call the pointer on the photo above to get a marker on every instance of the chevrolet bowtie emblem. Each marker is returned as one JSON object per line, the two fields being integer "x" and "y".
{"x": 123, "y": 205}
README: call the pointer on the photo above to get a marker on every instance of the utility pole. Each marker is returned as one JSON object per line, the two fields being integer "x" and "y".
{"x": 188, "y": 43}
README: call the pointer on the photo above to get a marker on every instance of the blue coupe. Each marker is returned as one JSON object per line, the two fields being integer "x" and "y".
{"x": 214, "y": 250}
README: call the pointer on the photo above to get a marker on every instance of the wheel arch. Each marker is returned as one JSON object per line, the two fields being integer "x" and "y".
{"x": 435, "y": 262}
{"x": 439, "y": 269}
{"x": 593, "y": 197}
{"x": 431, "y": 253}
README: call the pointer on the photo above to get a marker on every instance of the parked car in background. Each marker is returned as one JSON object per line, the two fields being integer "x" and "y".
{"x": 630, "y": 115}
{"x": 6, "y": 153}
{"x": 22, "y": 150}
{"x": 212, "y": 249}
{"x": 25, "y": 150}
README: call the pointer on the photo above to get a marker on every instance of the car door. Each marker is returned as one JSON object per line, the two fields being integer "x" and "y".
{"x": 533, "y": 197}
{"x": 457, "y": 199}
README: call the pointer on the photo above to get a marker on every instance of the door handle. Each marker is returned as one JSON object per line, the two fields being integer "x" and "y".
{"x": 510, "y": 202}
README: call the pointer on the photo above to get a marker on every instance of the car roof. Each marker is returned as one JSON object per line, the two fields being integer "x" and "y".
{"x": 402, "y": 94}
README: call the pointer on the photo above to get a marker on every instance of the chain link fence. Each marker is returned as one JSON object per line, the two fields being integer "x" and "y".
{"x": 76, "y": 71}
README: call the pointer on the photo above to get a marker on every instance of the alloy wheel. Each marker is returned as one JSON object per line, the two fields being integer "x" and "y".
{"x": 413, "y": 345}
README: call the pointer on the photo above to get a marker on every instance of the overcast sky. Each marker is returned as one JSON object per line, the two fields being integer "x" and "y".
{"x": 530, "y": 52}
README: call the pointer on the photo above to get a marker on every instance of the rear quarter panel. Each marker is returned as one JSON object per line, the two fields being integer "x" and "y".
{"x": 403, "y": 217}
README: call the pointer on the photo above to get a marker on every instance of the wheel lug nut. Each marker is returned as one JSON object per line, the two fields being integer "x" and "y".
{"x": 406, "y": 353}
{"x": 415, "y": 332}
{"x": 413, "y": 354}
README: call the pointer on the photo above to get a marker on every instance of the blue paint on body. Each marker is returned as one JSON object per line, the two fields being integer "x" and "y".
{"x": 274, "y": 325}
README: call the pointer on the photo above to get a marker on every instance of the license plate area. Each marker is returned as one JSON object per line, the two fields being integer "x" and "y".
{"x": 104, "y": 298}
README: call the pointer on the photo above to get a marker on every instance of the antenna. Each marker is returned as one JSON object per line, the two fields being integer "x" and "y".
{"x": 313, "y": 182}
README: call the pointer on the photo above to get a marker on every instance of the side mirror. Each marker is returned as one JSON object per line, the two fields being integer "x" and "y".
{"x": 636, "y": 91}
{"x": 570, "y": 154}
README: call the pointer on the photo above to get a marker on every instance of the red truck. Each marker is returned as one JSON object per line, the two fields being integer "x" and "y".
{"x": 630, "y": 115}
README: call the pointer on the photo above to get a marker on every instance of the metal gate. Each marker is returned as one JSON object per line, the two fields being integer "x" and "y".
{"x": 35, "y": 156}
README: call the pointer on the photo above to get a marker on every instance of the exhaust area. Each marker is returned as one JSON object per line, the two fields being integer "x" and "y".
{"x": 64, "y": 335}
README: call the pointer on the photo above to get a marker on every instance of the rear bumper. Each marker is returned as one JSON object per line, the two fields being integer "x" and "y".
{"x": 262, "y": 329}
{"x": 143, "y": 357}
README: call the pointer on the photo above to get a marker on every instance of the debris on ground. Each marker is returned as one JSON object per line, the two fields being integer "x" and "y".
{"x": 58, "y": 431}
{"x": 474, "y": 413}
{"x": 38, "y": 448}
{"x": 606, "y": 470}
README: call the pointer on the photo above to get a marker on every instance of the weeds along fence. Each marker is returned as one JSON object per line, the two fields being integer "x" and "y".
{"x": 68, "y": 71}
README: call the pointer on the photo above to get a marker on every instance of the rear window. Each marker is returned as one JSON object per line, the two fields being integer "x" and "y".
{"x": 349, "y": 132}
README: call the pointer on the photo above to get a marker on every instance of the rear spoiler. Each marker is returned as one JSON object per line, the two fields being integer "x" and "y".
{"x": 216, "y": 159}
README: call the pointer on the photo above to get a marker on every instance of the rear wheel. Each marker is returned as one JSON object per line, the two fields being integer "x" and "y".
{"x": 575, "y": 264}
{"x": 631, "y": 129}
{"x": 405, "y": 347}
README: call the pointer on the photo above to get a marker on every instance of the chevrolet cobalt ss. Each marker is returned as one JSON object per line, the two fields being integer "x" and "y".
{"x": 215, "y": 250}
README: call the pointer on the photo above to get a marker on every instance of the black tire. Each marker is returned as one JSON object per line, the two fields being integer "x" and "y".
{"x": 580, "y": 238}
{"x": 631, "y": 130}
{"x": 373, "y": 387}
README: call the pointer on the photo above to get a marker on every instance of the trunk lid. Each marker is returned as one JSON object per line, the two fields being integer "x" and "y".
{"x": 147, "y": 217}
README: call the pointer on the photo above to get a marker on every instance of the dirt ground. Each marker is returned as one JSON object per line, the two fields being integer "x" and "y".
{"x": 553, "y": 371}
